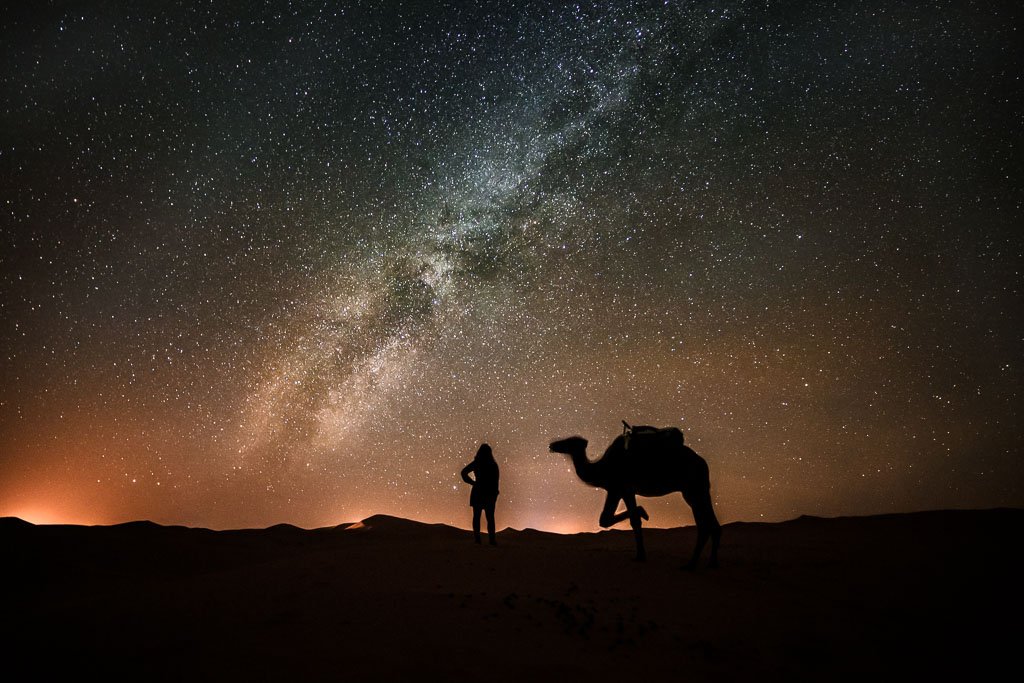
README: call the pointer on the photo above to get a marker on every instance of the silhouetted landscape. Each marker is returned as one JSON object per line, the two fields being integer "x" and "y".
{"x": 892, "y": 596}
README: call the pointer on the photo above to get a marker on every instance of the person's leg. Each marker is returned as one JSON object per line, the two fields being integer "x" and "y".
{"x": 476, "y": 524}
{"x": 490, "y": 524}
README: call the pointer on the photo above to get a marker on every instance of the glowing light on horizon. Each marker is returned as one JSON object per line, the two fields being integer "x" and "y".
{"x": 44, "y": 514}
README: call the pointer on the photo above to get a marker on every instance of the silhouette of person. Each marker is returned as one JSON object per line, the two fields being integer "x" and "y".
{"x": 485, "y": 489}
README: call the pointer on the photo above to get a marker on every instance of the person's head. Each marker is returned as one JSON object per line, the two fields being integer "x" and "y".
{"x": 484, "y": 452}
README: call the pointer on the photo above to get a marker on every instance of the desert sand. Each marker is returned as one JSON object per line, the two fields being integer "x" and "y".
{"x": 909, "y": 596}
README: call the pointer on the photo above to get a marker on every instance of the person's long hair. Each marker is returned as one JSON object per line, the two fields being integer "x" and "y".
{"x": 484, "y": 454}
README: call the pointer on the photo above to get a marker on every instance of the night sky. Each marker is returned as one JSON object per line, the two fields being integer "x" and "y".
{"x": 293, "y": 262}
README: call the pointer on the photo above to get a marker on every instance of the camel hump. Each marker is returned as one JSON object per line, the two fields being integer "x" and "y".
{"x": 667, "y": 436}
{"x": 673, "y": 434}
{"x": 642, "y": 429}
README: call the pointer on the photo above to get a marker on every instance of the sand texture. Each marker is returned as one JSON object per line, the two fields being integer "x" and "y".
{"x": 889, "y": 597}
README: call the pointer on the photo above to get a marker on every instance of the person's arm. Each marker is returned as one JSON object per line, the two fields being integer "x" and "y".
{"x": 465, "y": 473}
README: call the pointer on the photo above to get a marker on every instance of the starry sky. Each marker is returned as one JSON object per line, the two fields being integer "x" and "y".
{"x": 292, "y": 262}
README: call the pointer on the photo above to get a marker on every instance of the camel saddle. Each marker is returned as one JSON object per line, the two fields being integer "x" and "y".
{"x": 630, "y": 431}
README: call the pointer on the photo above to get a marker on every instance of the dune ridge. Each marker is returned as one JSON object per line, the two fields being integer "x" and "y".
{"x": 911, "y": 595}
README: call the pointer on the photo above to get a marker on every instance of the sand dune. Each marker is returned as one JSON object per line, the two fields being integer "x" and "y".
{"x": 387, "y": 599}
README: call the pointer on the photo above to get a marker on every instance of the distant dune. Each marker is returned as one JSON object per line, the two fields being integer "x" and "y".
{"x": 888, "y": 597}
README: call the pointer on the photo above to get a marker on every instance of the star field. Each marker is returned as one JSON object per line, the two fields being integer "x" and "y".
{"x": 289, "y": 262}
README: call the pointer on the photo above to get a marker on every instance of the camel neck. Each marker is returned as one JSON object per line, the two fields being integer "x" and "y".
{"x": 586, "y": 470}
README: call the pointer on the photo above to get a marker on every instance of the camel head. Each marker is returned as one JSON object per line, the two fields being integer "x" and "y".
{"x": 574, "y": 445}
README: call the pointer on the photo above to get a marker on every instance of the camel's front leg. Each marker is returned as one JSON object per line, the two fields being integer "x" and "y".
{"x": 636, "y": 516}
{"x": 608, "y": 516}
{"x": 633, "y": 512}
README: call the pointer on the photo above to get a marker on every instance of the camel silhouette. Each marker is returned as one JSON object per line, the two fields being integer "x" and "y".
{"x": 645, "y": 461}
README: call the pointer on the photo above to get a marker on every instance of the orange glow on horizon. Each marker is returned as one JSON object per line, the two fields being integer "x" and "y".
{"x": 57, "y": 501}
{"x": 42, "y": 513}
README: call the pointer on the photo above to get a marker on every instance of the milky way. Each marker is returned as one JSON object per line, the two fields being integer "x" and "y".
{"x": 272, "y": 263}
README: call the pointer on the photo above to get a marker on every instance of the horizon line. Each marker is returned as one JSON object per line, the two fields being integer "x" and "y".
{"x": 360, "y": 524}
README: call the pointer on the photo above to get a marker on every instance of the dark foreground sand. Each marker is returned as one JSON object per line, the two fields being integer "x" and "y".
{"x": 896, "y": 597}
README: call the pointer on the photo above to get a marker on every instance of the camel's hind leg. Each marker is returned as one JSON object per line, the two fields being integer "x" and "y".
{"x": 707, "y": 527}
